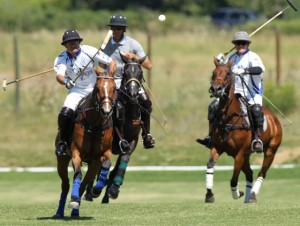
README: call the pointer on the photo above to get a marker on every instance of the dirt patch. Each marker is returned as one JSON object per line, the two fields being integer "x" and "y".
{"x": 282, "y": 156}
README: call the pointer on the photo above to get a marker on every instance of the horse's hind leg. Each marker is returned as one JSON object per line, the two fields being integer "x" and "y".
{"x": 114, "y": 189}
{"x": 249, "y": 178}
{"x": 102, "y": 179}
{"x": 268, "y": 159}
{"x": 209, "y": 197}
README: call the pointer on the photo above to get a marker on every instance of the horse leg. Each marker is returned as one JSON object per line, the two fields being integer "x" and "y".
{"x": 238, "y": 163}
{"x": 214, "y": 155}
{"x": 114, "y": 189}
{"x": 87, "y": 196}
{"x": 102, "y": 178}
{"x": 249, "y": 178}
{"x": 268, "y": 159}
{"x": 62, "y": 169}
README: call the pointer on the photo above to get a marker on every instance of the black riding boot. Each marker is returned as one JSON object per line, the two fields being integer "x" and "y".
{"x": 257, "y": 144}
{"x": 119, "y": 119}
{"x": 65, "y": 122}
{"x": 148, "y": 140}
{"x": 258, "y": 119}
{"x": 207, "y": 140}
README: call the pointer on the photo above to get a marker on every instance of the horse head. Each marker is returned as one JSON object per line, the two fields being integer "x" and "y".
{"x": 132, "y": 76}
{"x": 221, "y": 79}
{"x": 104, "y": 93}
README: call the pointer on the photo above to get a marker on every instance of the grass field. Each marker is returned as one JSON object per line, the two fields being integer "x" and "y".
{"x": 154, "y": 198}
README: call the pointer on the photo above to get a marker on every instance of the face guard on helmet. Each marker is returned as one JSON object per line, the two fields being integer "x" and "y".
{"x": 70, "y": 35}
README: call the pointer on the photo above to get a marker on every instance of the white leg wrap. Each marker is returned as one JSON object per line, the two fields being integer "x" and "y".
{"x": 209, "y": 178}
{"x": 248, "y": 191}
{"x": 257, "y": 185}
{"x": 235, "y": 192}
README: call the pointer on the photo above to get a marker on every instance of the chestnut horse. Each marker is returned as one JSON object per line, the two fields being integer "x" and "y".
{"x": 91, "y": 143}
{"x": 232, "y": 133}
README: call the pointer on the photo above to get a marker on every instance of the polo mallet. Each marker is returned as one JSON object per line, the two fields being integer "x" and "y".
{"x": 102, "y": 47}
{"x": 5, "y": 83}
{"x": 278, "y": 14}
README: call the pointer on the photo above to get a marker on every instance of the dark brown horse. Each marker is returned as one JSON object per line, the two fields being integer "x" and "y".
{"x": 129, "y": 91}
{"x": 91, "y": 143}
{"x": 232, "y": 133}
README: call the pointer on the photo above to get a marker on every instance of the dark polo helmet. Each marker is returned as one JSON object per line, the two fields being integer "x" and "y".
{"x": 118, "y": 20}
{"x": 69, "y": 35}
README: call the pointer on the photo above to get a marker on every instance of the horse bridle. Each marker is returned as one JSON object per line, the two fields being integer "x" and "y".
{"x": 221, "y": 91}
{"x": 104, "y": 99}
{"x": 133, "y": 79}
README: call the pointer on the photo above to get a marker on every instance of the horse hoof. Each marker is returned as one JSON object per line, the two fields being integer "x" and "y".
{"x": 113, "y": 191}
{"x": 209, "y": 198}
{"x": 88, "y": 197}
{"x": 75, "y": 213}
{"x": 105, "y": 200}
{"x": 95, "y": 193}
{"x": 74, "y": 203}
{"x": 241, "y": 194}
{"x": 252, "y": 198}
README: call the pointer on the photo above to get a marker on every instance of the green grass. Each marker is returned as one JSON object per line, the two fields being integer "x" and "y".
{"x": 154, "y": 198}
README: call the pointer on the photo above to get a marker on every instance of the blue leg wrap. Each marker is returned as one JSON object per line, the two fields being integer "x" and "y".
{"x": 76, "y": 186}
{"x": 102, "y": 179}
{"x": 61, "y": 205}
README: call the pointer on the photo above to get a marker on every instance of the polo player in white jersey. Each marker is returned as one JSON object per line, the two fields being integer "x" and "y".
{"x": 248, "y": 70}
{"x": 68, "y": 65}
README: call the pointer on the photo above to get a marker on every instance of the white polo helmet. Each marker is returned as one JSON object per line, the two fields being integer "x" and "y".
{"x": 241, "y": 36}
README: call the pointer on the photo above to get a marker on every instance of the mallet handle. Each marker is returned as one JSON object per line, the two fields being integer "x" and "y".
{"x": 30, "y": 76}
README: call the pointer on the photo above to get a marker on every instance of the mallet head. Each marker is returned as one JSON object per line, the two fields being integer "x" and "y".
{"x": 4, "y": 84}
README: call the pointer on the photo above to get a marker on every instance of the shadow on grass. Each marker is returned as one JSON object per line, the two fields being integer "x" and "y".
{"x": 66, "y": 218}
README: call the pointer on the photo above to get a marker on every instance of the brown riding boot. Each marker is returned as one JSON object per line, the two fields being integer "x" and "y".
{"x": 257, "y": 144}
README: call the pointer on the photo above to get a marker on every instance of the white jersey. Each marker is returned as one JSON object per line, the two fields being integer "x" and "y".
{"x": 252, "y": 87}
{"x": 127, "y": 44}
{"x": 70, "y": 67}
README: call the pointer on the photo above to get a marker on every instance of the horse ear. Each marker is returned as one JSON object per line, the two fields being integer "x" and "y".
{"x": 124, "y": 58}
{"x": 230, "y": 63}
{"x": 216, "y": 62}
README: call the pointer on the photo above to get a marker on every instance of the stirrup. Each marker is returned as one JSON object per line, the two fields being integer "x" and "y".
{"x": 254, "y": 147}
{"x": 124, "y": 146}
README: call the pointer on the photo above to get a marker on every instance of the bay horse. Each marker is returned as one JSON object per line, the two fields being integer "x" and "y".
{"x": 128, "y": 94}
{"x": 232, "y": 133}
{"x": 91, "y": 143}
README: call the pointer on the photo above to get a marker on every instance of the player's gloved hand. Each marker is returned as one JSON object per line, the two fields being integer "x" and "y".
{"x": 69, "y": 83}
{"x": 221, "y": 58}
{"x": 238, "y": 71}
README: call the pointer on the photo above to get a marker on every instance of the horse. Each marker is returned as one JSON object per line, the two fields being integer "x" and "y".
{"x": 129, "y": 95}
{"x": 232, "y": 133}
{"x": 91, "y": 143}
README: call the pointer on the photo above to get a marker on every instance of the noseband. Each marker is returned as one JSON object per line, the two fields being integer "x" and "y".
{"x": 221, "y": 90}
{"x": 105, "y": 99}
{"x": 133, "y": 79}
